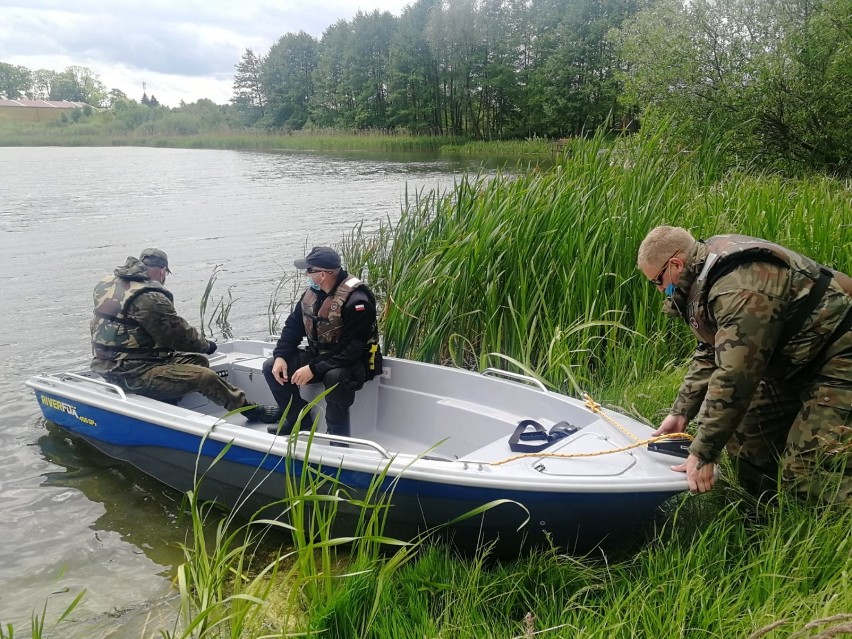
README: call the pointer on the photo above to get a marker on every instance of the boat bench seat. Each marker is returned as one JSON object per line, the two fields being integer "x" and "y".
{"x": 493, "y": 452}
{"x": 413, "y": 415}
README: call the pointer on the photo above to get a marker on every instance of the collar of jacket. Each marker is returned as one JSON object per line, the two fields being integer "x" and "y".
{"x": 693, "y": 263}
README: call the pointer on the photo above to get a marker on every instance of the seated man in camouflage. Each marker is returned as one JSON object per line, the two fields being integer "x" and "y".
{"x": 771, "y": 379}
{"x": 140, "y": 343}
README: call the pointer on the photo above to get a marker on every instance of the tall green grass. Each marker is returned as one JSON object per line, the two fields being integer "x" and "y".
{"x": 733, "y": 575}
{"x": 541, "y": 266}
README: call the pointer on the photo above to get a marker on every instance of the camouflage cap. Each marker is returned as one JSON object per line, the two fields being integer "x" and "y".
{"x": 155, "y": 257}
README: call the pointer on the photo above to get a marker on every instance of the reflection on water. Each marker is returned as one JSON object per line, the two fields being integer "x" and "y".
{"x": 73, "y": 520}
{"x": 140, "y": 510}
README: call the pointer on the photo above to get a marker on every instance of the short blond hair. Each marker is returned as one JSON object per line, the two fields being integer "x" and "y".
{"x": 661, "y": 243}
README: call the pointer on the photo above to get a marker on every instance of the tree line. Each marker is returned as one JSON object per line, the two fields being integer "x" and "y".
{"x": 769, "y": 80}
{"x": 482, "y": 69}
{"x": 74, "y": 84}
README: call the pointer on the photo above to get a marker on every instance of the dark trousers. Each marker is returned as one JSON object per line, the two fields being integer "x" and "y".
{"x": 345, "y": 380}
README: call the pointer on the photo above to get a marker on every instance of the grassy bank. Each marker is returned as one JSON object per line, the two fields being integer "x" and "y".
{"x": 23, "y": 134}
{"x": 541, "y": 268}
{"x": 746, "y": 569}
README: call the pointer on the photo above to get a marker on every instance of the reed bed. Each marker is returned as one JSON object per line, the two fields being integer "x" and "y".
{"x": 161, "y": 134}
{"x": 236, "y": 139}
{"x": 502, "y": 148}
{"x": 540, "y": 267}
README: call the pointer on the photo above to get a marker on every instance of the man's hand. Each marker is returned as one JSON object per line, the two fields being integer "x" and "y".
{"x": 699, "y": 475}
{"x": 279, "y": 370}
{"x": 671, "y": 424}
{"x": 303, "y": 376}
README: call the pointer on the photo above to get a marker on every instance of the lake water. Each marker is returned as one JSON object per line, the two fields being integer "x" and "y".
{"x": 71, "y": 519}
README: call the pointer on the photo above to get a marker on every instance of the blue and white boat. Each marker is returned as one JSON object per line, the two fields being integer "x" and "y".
{"x": 444, "y": 441}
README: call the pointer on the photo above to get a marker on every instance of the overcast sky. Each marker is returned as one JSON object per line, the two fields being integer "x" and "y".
{"x": 181, "y": 49}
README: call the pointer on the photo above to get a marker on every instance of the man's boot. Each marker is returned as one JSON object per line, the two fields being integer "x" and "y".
{"x": 338, "y": 426}
{"x": 263, "y": 414}
{"x": 290, "y": 423}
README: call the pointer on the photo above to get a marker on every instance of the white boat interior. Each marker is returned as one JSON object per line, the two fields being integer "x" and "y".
{"x": 451, "y": 413}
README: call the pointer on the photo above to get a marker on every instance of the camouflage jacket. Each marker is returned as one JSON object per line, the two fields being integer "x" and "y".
{"x": 739, "y": 317}
{"x": 135, "y": 323}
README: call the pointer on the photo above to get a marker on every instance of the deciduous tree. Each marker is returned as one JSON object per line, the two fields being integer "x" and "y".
{"x": 287, "y": 80}
{"x": 15, "y": 81}
{"x": 772, "y": 78}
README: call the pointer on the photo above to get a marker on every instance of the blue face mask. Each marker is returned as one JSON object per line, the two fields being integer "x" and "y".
{"x": 670, "y": 289}
{"x": 313, "y": 285}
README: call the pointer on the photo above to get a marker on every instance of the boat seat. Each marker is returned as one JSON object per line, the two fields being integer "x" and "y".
{"x": 493, "y": 452}
{"x": 253, "y": 364}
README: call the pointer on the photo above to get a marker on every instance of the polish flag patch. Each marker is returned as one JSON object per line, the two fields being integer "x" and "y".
{"x": 360, "y": 307}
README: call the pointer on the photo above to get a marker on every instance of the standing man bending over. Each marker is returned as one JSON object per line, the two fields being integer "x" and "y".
{"x": 771, "y": 379}
{"x": 140, "y": 343}
{"x": 337, "y": 314}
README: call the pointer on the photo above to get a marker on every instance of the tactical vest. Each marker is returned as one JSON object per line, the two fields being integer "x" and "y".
{"x": 727, "y": 252}
{"x": 116, "y": 336}
{"x": 324, "y": 325}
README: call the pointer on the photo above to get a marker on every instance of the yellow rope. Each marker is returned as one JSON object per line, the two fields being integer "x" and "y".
{"x": 636, "y": 444}
{"x": 596, "y": 408}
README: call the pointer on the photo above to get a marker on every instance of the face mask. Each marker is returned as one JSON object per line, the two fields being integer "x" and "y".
{"x": 313, "y": 285}
{"x": 670, "y": 289}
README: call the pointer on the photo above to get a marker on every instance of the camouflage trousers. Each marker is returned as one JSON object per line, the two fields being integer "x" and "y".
{"x": 171, "y": 378}
{"x": 805, "y": 429}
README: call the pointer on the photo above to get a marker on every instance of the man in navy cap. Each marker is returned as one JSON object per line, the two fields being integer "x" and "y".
{"x": 337, "y": 315}
{"x": 140, "y": 343}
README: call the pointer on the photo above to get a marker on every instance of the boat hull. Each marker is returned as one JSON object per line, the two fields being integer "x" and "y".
{"x": 253, "y": 483}
{"x": 437, "y": 443}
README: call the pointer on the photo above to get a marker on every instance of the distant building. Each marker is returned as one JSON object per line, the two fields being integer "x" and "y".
{"x": 36, "y": 110}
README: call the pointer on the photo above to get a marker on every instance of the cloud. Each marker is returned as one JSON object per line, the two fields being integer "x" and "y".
{"x": 191, "y": 43}
{"x": 161, "y": 46}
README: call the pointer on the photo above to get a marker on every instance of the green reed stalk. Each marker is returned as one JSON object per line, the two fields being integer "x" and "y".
{"x": 205, "y": 300}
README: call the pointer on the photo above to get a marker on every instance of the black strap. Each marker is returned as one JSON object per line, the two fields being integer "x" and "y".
{"x": 126, "y": 321}
{"x": 808, "y": 305}
{"x": 801, "y": 314}
{"x": 539, "y": 436}
{"x": 126, "y": 349}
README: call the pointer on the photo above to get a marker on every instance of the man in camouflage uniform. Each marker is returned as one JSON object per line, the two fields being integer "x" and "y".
{"x": 771, "y": 379}
{"x": 140, "y": 343}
